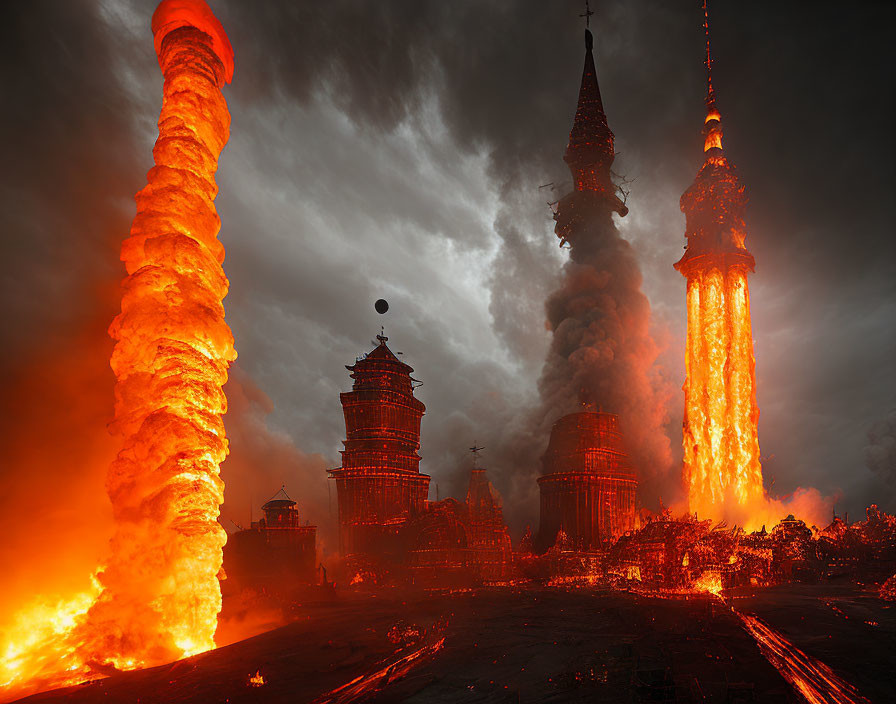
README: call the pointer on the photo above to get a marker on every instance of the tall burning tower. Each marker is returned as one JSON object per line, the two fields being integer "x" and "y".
{"x": 588, "y": 487}
{"x": 379, "y": 485}
{"x": 722, "y": 472}
{"x": 589, "y": 155}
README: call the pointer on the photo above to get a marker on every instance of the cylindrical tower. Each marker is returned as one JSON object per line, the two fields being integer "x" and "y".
{"x": 588, "y": 488}
{"x": 379, "y": 485}
{"x": 722, "y": 471}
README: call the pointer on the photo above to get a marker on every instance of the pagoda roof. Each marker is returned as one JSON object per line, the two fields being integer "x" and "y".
{"x": 380, "y": 353}
{"x": 279, "y": 500}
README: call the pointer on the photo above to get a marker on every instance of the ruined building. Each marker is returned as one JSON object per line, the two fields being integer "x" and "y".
{"x": 588, "y": 488}
{"x": 277, "y": 552}
{"x": 454, "y": 542}
{"x": 379, "y": 485}
{"x": 386, "y": 523}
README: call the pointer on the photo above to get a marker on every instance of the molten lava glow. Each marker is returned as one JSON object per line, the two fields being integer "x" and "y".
{"x": 721, "y": 441}
{"x": 160, "y": 594}
{"x": 171, "y": 360}
{"x": 365, "y": 686}
{"x": 815, "y": 681}
{"x": 35, "y": 644}
{"x": 709, "y": 582}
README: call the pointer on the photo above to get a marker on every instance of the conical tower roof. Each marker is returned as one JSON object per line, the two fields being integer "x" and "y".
{"x": 590, "y": 140}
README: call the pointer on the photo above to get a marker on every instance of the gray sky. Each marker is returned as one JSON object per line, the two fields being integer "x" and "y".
{"x": 395, "y": 149}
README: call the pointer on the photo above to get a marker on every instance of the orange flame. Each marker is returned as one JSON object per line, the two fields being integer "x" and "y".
{"x": 721, "y": 440}
{"x": 171, "y": 361}
{"x": 709, "y": 582}
{"x": 160, "y": 594}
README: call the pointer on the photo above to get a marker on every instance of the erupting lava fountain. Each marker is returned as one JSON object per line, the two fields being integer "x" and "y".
{"x": 157, "y": 599}
{"x": 161, "y": 590}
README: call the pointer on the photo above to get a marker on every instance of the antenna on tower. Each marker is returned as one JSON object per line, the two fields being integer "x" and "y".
{"x": 710, "y": 93}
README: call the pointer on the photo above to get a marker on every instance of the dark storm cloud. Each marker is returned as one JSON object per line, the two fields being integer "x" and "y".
{"x": 880, "y": 452}
{"x": 794, "y": 89}
{"x": 395, "y": 149}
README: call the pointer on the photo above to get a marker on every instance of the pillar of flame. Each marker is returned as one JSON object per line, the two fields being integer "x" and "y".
{"x": 161, "y": 594}
{"x": 722, "y": 472}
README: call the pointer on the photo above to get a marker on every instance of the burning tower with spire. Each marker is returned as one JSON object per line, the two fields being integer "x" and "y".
{"x": 722, "y": 471}
{"x": 599, "y": 321}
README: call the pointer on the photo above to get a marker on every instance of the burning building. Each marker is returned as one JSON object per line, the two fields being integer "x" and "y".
{"x": 489, "y": 538}
{"x": 379, "y": 485}
{"x": 722, "y": 471}
{"x": 588, "y": 487}
{"x": 276, "y": 552}
{"x": 461, "y": 543}
{"x": 386, "y": 523}
{"x": 589, "y": 155}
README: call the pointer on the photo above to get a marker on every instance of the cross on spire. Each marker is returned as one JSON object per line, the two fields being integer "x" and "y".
{"x": 587, "y": 15}
{"x": 475, "y": 451}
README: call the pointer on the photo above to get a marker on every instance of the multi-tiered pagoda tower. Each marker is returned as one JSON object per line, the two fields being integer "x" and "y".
{"x": 379, "y": 485}
{"x": 722, "y": 472}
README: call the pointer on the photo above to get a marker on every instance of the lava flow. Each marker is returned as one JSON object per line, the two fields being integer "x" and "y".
{"x": 385, "y": 673}
{"x": 160, "y": 594}
{"x": 815, "y": 681}
{"x": 810, "y": 677}
{"x": 722, "y": 471}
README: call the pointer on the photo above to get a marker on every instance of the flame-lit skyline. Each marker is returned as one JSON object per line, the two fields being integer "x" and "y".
{"x": 421, "y": 186}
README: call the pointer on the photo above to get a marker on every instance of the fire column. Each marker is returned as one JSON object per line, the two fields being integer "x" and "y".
{"x": 173, "y": 350}
{"x": 722, "y": 473}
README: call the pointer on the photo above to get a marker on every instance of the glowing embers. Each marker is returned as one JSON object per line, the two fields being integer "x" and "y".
{"x": 721, "y": 442}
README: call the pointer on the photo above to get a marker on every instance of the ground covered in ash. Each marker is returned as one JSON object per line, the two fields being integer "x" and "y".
{"x": 518, "y": 644}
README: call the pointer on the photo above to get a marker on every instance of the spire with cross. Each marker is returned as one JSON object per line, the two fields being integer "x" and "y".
{"x": 587, "y": 15}
{"x": 475, "y": 450}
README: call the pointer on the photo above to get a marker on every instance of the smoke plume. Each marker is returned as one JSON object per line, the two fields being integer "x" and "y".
{"x": 602, "y": 352}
